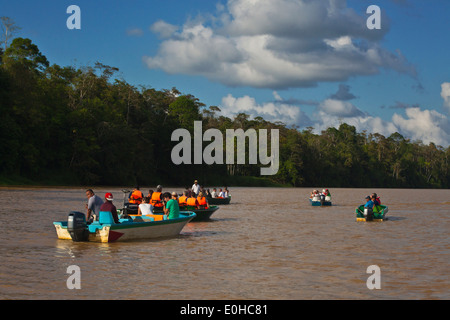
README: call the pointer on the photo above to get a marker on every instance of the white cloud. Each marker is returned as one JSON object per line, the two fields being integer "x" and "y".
{"x": 339, "y": 108}
{"x": 276, "y": 44}
{"x": 445, "y": 94}
{"x": 427, "y": 125}
{"x": 269, "y": 111}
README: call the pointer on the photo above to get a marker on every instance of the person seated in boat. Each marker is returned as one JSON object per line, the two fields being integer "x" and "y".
{"x": 156, "y": 199}
{"x": 136, "y": 196}
{"x": 369, "y": 203}
{"x": 182, "y": 200}
{"x": 171, "y": 208}
{"x": 145, "y": 208}
{"x": 192, "y": 201}
{"x": 214, "y": 193}
{"x": 93, "y": 205}
{"x": 327, "y": 194}
{"x": 109, "y": 206}
{"x": 202, "y": 202}
{"x": 207, "y": 193}
{"x": 315, "y": 195}
{"x": 220, "y": 195}
{"x": 226, "y": 193}
{"x": 150, "y": 192}
{"x": 376, "y": 199}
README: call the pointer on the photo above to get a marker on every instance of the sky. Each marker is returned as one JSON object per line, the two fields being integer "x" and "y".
{"x": 307, "y": 63}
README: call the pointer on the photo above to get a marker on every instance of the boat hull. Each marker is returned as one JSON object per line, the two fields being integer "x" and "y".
{"x": 319, "y": 203}
{"x": 137, "y": 229}
{"x": 213, "y": 201}
{"x": 379, "y": 214}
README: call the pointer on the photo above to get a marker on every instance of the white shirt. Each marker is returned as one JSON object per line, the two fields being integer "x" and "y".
{"x": 196, "y": 188}
{"x": 146, "y": 209}
{"x": 213, "y": 194}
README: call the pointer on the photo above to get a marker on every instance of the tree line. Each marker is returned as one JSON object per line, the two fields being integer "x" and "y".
{"x": 87, "y": 126}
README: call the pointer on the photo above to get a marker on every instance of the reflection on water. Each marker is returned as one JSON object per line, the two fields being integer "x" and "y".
{"x": 267, "y": 244}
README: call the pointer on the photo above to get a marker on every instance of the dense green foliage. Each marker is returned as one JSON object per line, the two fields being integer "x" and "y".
{"x": 86, "y": 126}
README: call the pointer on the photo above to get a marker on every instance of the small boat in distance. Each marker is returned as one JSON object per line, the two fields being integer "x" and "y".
{"x": 133, "y": 228}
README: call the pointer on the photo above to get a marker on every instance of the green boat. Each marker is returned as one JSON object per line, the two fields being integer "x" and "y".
{"x": 378, "y": 214}
{"x": 219, "y": 200}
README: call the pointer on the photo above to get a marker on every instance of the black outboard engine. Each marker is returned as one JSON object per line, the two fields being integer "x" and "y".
{"x": 77, "y": 226}
{"x": 322, "y": 199}
{"x": 368, "y": 214}
{"x": 130, "y": 208}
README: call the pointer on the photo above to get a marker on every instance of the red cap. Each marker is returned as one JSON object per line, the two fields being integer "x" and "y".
{"x": 109, "y": 196}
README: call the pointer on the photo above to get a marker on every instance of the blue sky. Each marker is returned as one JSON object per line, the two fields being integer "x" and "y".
{"x": 308, "y": 63}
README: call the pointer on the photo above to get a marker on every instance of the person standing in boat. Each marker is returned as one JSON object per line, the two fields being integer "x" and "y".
{"x": 195, "y": 188}
{"x": 171, "y": 208}
{"x": 109, "y": 206}
{"x": 93, "y": 205}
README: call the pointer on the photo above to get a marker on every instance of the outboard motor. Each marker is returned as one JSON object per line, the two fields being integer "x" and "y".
{"x": 77, "y": 226}
{"x": 322, "y": 199}
{"x": 368, "y": 214}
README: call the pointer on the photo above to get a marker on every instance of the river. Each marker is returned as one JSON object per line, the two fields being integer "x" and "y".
{"x": 268, "y": 244}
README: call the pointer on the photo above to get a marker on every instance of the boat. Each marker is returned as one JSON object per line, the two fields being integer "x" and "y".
{"x": 219, "y": 200}
{"x": 131, "y": 228}
{"x": 377, "y": 214}
{"x": 320, "y": 201}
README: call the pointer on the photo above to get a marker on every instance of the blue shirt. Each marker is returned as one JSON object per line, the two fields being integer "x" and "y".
{"x": 369, "y": 204}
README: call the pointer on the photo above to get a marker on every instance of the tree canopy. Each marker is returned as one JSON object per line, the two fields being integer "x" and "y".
{"x": 86, "y": 126}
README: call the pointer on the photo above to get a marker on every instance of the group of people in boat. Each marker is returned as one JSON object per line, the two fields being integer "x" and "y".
{"x": 372, "y": 201}
{"x": 316, "y": 195}
{"x": 215, "y": 193}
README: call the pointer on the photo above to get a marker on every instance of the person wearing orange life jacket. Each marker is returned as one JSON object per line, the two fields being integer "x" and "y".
{"x": 156, "y": 200}
{"x": 202, "y": 202}
{"x": 182, "y": 201}
{"x": 192, "y": 201}
{"x": 136, "y": 196}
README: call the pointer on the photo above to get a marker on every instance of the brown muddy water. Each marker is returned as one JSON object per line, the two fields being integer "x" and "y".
{"x": 269, "y": 243}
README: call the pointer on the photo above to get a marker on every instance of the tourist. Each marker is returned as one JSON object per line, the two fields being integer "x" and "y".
{"x": 136, "y": 196}
{"x": 369, "y": 203}
{"x": 182, "y": 200}
{"x": 171, "y": 208}
{"x": 192, "y": 201}
{"x": 220, "y": 195}
{"x": 214, "y": 193}
{"x": 145, "y": 208}
{"x": 93, "y": 205}
{"x": 109, "y": 206}
{"x": 202, "y": 202}
{"x": 156, "y": 199}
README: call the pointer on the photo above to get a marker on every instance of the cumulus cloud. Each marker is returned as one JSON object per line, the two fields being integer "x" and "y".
{"x": 426, "y": 125}
{"x": 339, "y": 108}
{"x": 416, "y": 124}
{"x": 276, "y": 44}
{"x": 270, "y": 111}
{"x": 445, "y": 94}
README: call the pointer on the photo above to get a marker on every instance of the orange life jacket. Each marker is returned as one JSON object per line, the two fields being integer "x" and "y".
{"x": 192, "y": 202}
{"x": 182, "y": 200}
{"x": 136, "y": 197}
{"x": 202, "y": 201}
{"x": 156, "y": 200}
